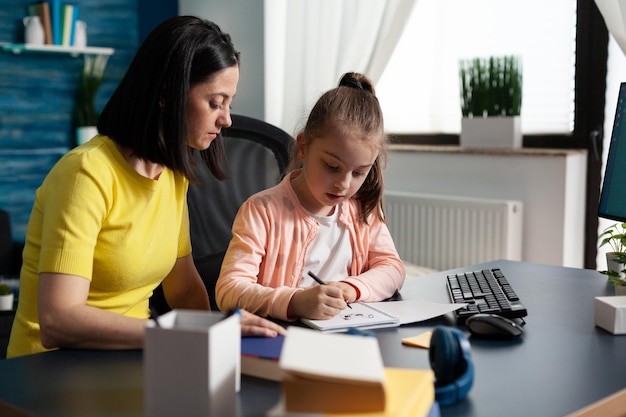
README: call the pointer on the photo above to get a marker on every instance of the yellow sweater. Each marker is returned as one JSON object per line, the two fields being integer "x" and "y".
{"x": 95, "y": 217}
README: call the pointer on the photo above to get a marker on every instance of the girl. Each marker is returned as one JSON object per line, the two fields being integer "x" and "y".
{"x": 325, "y": 216}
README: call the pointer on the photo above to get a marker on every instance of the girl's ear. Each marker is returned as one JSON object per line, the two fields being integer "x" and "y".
{"x": 300, "y": 147}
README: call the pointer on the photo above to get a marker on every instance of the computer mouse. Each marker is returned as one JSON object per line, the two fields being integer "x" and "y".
{"x": 493, "y": 326}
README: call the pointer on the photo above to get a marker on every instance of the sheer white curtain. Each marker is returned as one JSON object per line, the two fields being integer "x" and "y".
{"x": 310, "y": 44}
{"x": 419, "y": 90}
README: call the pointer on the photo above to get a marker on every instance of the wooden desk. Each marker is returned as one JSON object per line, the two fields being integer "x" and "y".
{"x": 562, "y": 363}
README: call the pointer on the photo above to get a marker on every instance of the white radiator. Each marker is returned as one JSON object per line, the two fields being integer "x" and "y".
{"x": 445, "y": 232}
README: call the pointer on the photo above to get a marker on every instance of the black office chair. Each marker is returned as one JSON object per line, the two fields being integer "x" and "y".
{"x": 10, "y": 249}
{"x": 258, "y": 154}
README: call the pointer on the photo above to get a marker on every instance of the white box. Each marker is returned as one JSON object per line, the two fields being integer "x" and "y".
{"x": 191, "y": 364}
{"x": 491, "y": 132}
{"x": 610, "y": 313}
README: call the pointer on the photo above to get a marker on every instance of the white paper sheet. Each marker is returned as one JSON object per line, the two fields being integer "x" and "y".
{"x": 412, "y": 311}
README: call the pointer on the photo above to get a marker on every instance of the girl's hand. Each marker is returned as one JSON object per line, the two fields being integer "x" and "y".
{"x": 317, "y": 302}
{"x": 349, "y": 293}
{"x": 253, "y": 325}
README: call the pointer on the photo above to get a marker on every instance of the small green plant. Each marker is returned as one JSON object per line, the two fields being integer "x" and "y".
{"x": 615, "y": 237}
{"x": 491, "y": 86}
{"x": 85, "y": 113}
{"x": 5, "y": 289}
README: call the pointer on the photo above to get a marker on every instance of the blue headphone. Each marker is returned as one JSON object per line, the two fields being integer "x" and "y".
{"x": 450, "y": 359}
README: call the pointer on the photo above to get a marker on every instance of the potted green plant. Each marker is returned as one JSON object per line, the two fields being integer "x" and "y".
{"x": 491, "y": 101}
{"x": 85, "y": 113}
{"x": 615, "y": 237}
{"x": 6, "y": 297}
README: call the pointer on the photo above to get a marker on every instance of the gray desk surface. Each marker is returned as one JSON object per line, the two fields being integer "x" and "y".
{"x": 561, "y": 364}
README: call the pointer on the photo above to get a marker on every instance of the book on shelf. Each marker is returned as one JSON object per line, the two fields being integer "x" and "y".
{"x": 382, "y": 314}
{"x": 42, "y": 9}
{"x": 63, "y": 17}
{"x": 56, "y": 22}
{"x": 409, "y": 393}
{"x": 260, "y": 355}
{"x": 331, "y": 373}
{"x": 69, "y": 15}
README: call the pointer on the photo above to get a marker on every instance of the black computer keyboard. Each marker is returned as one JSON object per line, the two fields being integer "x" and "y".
{"x": 486, "y": 291}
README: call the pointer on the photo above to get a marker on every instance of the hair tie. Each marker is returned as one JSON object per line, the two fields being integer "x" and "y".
{"x": 352, "y": 82}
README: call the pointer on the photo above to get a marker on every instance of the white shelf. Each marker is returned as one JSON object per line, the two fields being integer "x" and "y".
{"x": 18, "y": 48}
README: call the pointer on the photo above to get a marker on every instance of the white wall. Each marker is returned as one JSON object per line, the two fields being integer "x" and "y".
{"x": 550, "y": 184}
{"x": 243, "y": 21}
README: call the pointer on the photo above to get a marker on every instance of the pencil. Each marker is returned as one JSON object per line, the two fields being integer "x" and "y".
{"x": 316, "y": 278}
{"x": 319, "y": 281}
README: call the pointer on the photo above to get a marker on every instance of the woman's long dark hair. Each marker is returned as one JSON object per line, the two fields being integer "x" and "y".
{"x": 147, "y": 111}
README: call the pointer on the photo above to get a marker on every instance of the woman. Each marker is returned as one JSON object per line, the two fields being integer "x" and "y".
{"x": 110, "y": 223}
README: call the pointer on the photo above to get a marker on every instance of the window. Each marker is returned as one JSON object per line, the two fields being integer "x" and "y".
{"x": 445, "y": 31}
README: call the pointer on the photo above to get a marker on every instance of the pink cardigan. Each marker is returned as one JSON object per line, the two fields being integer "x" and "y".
{"x": 271, "y": 235}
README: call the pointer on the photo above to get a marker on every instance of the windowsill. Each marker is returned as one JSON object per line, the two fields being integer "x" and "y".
{"x": 485, "y": 151}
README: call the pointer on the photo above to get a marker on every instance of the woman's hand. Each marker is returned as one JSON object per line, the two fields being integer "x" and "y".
{"x": 67, "y": 321}
{"x": 253, "y": 325}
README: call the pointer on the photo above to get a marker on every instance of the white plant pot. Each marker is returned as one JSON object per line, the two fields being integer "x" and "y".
{"x": 620, "y": 289}
{"x": 85, "y": 133}
{"x": 613, "y": 265}
{"x": 491, "y": 132}
{"x": 6, "y": 302}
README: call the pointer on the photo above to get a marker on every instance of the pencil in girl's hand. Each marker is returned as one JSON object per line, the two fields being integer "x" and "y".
{"x": 316, "y": 278}
{"x": 319, "y": 281}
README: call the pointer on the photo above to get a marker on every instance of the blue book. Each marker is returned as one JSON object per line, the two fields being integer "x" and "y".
{"x": 55, "y": 14}
{"x": 73, "y": 27}
{"x": 259, "y": 357}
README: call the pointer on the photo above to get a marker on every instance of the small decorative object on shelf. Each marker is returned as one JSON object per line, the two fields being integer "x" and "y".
{"x": 54, "y": 27}
{"x": 86, "y": 115}
{"x": 491, "y": 102}
{"x": 41, "y": 10}
{"x": 80, "y": 34}
{"x": 615, "y": 237}
{"x": 33, "y": 31}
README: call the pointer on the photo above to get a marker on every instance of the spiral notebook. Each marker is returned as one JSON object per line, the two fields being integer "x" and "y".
{"x": 361, "y": 315}
{"x": 383, "y": 314}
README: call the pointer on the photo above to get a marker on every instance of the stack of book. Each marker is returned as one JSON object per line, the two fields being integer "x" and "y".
{"x": 328, "y": 375}
{"x": 260, "y": 355}
{"x": 58, "y": 20}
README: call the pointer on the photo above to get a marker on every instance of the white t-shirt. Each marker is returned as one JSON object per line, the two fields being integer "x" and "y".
{"x": 330, "y": 254}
